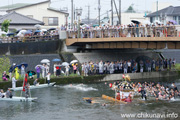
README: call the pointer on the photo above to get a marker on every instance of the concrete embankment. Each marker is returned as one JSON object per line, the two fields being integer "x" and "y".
{"x": 145, "y": 75}
{"x": 164, "y": 76}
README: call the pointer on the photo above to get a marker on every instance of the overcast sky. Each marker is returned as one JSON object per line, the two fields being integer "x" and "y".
{"x": 140, "y": 5}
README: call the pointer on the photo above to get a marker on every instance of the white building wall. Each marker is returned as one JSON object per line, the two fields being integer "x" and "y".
{"x": 39, "y": 11}
{"x": 127, "y": 17}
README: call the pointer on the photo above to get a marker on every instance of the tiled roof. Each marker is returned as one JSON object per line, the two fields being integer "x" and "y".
{"x": 19, "y": 19}
{"x": 169, "y": 11}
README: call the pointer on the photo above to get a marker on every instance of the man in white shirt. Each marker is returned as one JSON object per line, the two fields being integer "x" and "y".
{"x": 14, "y": 82}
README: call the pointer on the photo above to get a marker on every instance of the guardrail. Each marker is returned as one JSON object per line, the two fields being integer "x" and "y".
{"x": 165, "y": 31}
{"x": 28, "y": 39}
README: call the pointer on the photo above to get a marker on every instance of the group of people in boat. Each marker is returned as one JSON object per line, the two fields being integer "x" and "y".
{"x": 145, "y": 90}
{"x": 159, "y": 91}
{"x": 7, "y": 94}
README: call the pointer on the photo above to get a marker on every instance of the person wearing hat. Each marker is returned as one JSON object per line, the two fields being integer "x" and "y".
{"x": 11, "y": 69}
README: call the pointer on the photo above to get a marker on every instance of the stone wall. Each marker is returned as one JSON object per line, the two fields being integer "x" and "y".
{"x": 44, "y": 47}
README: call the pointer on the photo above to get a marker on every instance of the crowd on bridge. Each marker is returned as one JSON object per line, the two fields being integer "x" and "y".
{"x": 131, "y": 30}
{"x": 127, "y": 66}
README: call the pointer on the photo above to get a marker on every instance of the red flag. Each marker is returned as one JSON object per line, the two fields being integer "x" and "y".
{"x": 25, "y": 82}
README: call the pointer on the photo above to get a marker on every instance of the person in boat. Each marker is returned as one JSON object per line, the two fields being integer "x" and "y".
{"x": 143, "y": 92}
{"x": 9, "y": 93}
{"x": 174, "y": 86}
{"x": 4, "y": 76}
{"x": 118, "y": 97}
{"x": 2, "y": 94}
{"x": 14, "y": 82}
{"x": 128, "y": 99}
{"x": 48, "y": 77}
{"x": 26, "y": 90}
{"x": 35, "y": 82}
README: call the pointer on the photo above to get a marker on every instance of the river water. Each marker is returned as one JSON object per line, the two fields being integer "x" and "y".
{"x": 66, "y": 103}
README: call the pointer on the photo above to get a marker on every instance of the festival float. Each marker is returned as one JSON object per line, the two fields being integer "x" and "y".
{"x": 123, "y": 91}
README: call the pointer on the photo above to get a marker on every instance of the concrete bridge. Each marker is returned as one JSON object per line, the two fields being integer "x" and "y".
{"x": 126, "y": 42}
{"x": 146, "y": 38}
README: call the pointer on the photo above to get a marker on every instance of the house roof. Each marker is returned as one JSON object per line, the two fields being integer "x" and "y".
{"x": 169, "y": 11}
{"x": 28, "y": 5}
{"x": 17, "y": 5}
{"x": 19, "y": 19}
{"x": 56, "y": 10}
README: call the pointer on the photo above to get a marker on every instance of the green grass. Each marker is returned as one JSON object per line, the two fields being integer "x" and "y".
{"x": 52, "y": 76}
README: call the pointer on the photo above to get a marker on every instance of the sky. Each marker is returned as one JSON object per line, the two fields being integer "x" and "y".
{"x": 139, "y": 5}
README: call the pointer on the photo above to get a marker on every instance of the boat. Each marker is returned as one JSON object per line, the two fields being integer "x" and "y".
{"x": 34, "y": 87}
{"x": 113, "y": 99}
{"x": 18, "y": 99}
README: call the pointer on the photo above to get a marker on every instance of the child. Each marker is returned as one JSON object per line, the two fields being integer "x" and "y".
{"x": 48, "y": 77}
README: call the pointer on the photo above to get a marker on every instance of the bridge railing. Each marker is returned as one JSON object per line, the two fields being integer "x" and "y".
{"x": 28, "y": 39}
{"x": 165, "y": 31}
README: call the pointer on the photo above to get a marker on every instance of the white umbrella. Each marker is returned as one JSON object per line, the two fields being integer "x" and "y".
{"x": 45, "y": 61}
{"x": 3, "y": 32}
{"x": 74, "y": 61}
{"x": 157, "y": 21}
{"x": 44, "y": 30}
{"x": 37, "y": 26}
{"x": 21, "y": 32}
{"x": 65, "y": 64}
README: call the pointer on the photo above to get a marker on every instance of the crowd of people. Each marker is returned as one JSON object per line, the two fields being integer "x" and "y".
{"x": 160, "y": 92}
{"x": 130, "y": 30}
{"x": 126, "y": 66}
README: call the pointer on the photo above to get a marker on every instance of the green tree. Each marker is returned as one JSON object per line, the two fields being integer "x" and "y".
{"x": 4, "y": 64}
{"x": 130, "y": 9}
{"x": 5, "y": 25}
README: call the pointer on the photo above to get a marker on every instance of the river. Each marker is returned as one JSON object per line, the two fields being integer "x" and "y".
{"x": 66, "y": 103}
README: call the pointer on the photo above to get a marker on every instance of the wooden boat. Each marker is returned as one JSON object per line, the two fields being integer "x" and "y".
{"x": 112, "y": 99}
{"x": 18, "y": 99}
{"x": 34, "y": 87}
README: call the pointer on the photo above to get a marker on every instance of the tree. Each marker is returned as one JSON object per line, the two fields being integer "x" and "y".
{"x": 5, "y": 25}
{"x": 4, "y": 64}
{"x": 130, "y": 9}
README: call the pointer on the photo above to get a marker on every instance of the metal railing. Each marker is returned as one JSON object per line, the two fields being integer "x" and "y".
{"x": 165, "y": 31}
{"x": 28, "y": 39}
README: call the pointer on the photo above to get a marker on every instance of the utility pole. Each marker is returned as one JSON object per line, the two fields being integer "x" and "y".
{"x": 99, "y": 8}
{"x": 157, "y": 11}
{"x": 72, "y": 9}
{"x": 111, "y": 12}
{"x": 116, "y": 11}
{"x": 120, "y": 12}
{"x": 88, "y": 14}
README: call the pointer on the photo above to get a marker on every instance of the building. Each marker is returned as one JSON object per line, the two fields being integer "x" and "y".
{"x": 19, "y": 21}
{"x": 127, "y": 17}
{"x": 166, "y": 14}
{"x": 51, "y": 17}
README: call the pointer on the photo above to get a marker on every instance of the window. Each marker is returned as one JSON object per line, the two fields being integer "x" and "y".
{"x": 51, "y": 21}
{"x": 178, "y": 20}
{"x": 31, "y": 16}
{"x": 175, "y": 18}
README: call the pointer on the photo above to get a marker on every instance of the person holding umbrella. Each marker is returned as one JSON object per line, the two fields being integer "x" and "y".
{"x": 38, "y": 70}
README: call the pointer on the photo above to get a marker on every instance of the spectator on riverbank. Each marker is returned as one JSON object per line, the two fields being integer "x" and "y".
{"x": 38, "y": 70}
{"x": 4, "y": 76}
{"x": 123, "y": 66}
